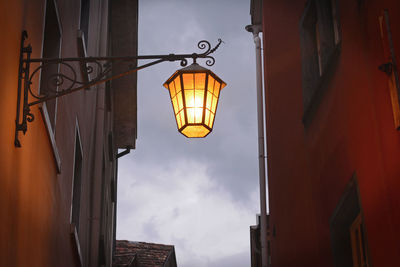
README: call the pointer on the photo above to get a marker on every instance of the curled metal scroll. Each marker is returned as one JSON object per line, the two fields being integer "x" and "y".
{"x": 205, "y": 45}
{"x": 210, "y": 61}
{"x": 56, "y": 81}
{"x": 184, "y": 62}
{"x": 29, "y": 116}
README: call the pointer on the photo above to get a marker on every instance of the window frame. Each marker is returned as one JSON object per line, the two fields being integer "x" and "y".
{"x": 84, "y": 29}
{"x": 73, "y": 227}
{"x": 389, "y": 57}
{"x": 345, "y": 215}
{"x": 82, "y": 39}
{"x": 77, "y": 142}
{"x": 320, "y": 45}
{"x": 358, "y": 242}
{"x": 43, "y": 107}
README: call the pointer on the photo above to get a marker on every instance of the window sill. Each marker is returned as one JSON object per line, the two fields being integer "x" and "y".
{"x": 46, "y": 119}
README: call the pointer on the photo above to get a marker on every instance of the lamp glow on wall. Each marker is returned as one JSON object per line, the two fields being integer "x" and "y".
{"x": 194, "y": 93}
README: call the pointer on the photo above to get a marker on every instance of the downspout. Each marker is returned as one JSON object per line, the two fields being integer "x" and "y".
{"x": 256, "y": 29}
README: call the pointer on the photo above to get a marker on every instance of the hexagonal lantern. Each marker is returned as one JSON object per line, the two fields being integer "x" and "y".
{"x": 194, "y": 93}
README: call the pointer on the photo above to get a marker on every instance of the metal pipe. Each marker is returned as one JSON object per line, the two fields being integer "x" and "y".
{"x": 255, "y": 29}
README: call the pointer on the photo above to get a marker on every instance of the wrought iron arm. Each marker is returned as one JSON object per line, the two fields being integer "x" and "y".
{"x": 95, "y": 70}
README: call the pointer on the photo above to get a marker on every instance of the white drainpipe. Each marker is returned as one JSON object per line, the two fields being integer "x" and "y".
{"x": 255, "y": 29}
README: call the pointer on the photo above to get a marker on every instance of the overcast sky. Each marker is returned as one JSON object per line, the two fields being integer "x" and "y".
{"x": 200, "y": 195}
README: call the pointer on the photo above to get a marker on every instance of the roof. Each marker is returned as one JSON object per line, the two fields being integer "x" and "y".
{"x": 141, "y": 254}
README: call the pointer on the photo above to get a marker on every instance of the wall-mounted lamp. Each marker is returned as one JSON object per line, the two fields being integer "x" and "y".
{"x": 194, "y": 93}
{"x": 194, "y": 90}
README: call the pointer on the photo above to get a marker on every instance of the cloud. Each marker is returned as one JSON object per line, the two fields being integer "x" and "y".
{"x": 187, "y": 208}
{"x": 236, "y": 260}
{"x": 206, "y": 214}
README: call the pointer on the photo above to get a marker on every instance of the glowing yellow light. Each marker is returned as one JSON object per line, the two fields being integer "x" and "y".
{"x": 194, "y": 93}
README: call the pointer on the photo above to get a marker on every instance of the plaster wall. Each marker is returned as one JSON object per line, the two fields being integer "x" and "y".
{"x": 351, "y": 132}
{"x": 36, "y": 191}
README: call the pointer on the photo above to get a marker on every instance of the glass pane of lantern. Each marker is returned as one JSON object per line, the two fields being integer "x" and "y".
{"x": 190, "y": 114}
{"x": 178, "y": 121}
{"x": 214, "y": 104}
{"x": 188, "y": 82}
{"x": 172, "y": 89}
{"x": 209, "y": 100}
{"x": 199, "y": 98}
{"x": 180, "y": 101}
{"x": 216, "y": 92}
{"x": 195, "y": 131}
{"x": 210, "y": 84}
{"x": 207, "y": 118}
{"x": 212, "y": 120}
{"x": 189, "y": 98}
{"x": 199, "y": 105}
{"x": 216, "y": 88}
{"x": 175, "y": 105}
{"x": 198, "y": 115}
{"x": 177, "y": 83}
{"x": 200, "y": 80}
{"x": 182, "y": 117}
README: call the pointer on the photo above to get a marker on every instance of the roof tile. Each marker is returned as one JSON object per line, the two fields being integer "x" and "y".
{"x": 141, "y": 254}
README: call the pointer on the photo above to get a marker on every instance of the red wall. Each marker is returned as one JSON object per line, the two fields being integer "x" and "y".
{"x": 352, "y": 132}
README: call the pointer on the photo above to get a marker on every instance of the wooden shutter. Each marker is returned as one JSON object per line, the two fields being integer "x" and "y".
{"x": 390, "y": 65}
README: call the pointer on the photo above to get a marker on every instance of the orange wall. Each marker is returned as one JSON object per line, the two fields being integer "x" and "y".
{"x": 28, "y": 174}
{"x": 352, "y": 131}
{"x": 35, "y": 199}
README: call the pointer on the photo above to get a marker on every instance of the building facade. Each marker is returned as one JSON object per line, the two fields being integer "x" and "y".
{"x": 58, "y": 190}
{"x": 332, "y": 125}
{"x": 255, "y": 243}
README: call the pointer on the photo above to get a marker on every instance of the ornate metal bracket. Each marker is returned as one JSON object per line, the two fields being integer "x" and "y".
{"x": 99, "y": 68}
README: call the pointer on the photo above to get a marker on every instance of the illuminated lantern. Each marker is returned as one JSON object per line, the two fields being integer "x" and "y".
{"x": 194, "y": 93}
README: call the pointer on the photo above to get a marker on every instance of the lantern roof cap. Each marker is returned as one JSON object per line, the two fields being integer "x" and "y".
{"x": 194, "y": 67}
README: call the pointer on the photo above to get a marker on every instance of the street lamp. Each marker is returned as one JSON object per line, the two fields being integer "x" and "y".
{"x": 194, "y": 93}
{"x": 194, "y": 90}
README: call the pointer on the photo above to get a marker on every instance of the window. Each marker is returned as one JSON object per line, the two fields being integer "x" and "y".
{"x": 319, "y": 40}
{"x": 335, "y": 21}
{"x": 390, "y": 66}
{"x": 84, "y": 23}
{"x": 358, "y": 243}
{"x": 76, "y": 195}
{"x": 348, "y": 235}
{"x": 77, "y": 183}
{"x": 103, "y": 216}
{"x": 51, "y": 49}
{"x": 83, "y": 33}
